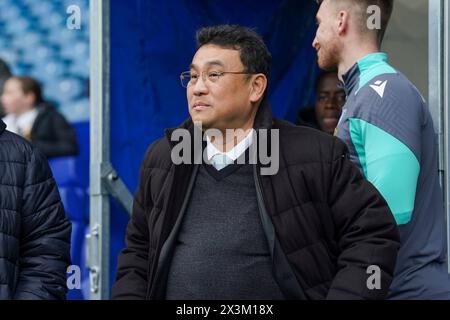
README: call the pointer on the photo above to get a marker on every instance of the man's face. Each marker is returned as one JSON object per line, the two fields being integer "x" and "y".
{"x": 329, "y": 102}
{"x": 326, "y": 41}
{"x": 14, "y": 100}
{"x": 225, "y": 103}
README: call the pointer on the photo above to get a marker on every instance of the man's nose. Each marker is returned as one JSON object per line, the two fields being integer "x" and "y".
{"x": 200, "y": 87}
{"x": 315, "y": 43}
{"x": 333, "y": 103}
{"x": 330, "y": 105}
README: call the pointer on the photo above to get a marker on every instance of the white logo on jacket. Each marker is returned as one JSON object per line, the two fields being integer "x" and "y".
{"x": 379, "y": 87}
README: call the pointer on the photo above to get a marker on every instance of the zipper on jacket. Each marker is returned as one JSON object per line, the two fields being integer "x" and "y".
{"x": 283, "y": 273}
{"x": 167, "y": 247}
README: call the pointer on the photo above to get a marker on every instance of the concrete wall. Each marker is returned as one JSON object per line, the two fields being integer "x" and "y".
{"x": 406, "y": 41}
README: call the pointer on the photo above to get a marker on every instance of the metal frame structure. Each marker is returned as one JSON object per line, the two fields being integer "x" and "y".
{"x": 439, "y": 93}
{"x": 104, "y": 181}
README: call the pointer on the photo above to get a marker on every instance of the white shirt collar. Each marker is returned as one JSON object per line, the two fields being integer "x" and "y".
{"x": 234, "y": 153}
{"x": 14, "y": 123}
{"x": 11, "y": 123}
{"x": 26, "y": 119}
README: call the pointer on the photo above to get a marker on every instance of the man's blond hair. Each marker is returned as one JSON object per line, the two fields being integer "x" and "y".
{"x": 359, "y": 8}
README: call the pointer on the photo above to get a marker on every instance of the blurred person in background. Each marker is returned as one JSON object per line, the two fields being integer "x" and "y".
{"x": 330, "y": 97}
{"x": 5, "y": 74}
{"x": 28, "y": 115}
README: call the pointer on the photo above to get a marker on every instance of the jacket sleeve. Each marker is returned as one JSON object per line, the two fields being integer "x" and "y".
{"x": 131, "y": 278}
{"x": 366, "y": 232}
{"x": 65, "y": 140}
{"x": 45, "y": 235}
{"x": 389, "y": 164}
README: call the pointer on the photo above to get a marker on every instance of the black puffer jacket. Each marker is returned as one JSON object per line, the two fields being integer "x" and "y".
{"x": 52, "y": 134}
{"x": 34, "y": 229}
{"x": 329, "y": 222}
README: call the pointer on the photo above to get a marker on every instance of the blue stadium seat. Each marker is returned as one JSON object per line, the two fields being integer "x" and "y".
{"x": 4, "y": 4}
{"x": 41, "y": 8}
{"x": 62, "y": 36}
{"x": 76, "y": 111}
{"x": 78, "y": 255}
{"x": 27, "y": 40}
{"x": 83, "y": 4}
{"x": 11, "y": 56}
{"x": 17, "y": 25}
{"x": 64, "y": 90}
{"x": 21, "y": 68}
{"x": 77, "y": 50}
{"x": 40, "y": 53}
{"x": 49, "y": 71}
{"x": 65, "y": 170}
{"x": 51, "y": 21}
{"x": 80, "y": 68}
{"x": 9, "y": 12}
{"x": 28, "y": 2}
{"x": 82, "y": 165}
{"x": 75, "y": 201}
{"x": 72, "y": 177}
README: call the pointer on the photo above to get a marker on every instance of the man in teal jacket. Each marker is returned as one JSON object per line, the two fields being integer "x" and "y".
{"x": 388, "y": 128}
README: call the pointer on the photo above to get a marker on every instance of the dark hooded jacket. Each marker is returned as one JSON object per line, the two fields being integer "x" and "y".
{"x": 34, "y": 229}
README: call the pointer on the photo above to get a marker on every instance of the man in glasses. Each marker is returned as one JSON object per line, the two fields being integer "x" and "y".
{"x": 389, "y": 131}
{"x": 221, "y": 229}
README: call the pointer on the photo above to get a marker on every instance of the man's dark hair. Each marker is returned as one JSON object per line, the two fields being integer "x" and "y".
{"x": 254, "y": 54}
{"x": 30, "y": 85}
{"x": 322, "y": 76}
{"x": 386, "y": 8}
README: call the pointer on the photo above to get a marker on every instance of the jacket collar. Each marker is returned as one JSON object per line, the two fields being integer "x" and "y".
{"x": 352, "y": 77}
{"x": 2, "y": 126}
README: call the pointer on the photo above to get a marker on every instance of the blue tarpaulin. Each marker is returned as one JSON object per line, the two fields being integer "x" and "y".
{"x": 152, "y": 42}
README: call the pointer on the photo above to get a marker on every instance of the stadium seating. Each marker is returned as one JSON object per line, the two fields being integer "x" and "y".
{"x": 34, "y": 40}
{"x": 72, "y": 177}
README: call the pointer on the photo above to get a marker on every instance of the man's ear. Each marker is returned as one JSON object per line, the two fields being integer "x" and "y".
{"x": 343, "y": 22}
{"x": 258, "y": 87}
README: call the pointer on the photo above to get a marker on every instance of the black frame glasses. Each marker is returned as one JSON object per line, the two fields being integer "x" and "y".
{"x": 212, "y": 76}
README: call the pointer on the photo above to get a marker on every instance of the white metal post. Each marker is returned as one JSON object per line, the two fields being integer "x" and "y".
{"x": 98, "y": 238}
{"x": 446, "y": 105}
{"x": 439, "y": 88}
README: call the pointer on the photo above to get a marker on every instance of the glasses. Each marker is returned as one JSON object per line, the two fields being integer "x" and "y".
{"x": 189, "y": 78}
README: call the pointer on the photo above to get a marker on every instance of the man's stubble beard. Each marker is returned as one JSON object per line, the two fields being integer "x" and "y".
{"x": 329, "y": 57}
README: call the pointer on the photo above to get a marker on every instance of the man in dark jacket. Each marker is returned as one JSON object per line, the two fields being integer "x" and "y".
{"x": 34, "y": 230}
{"x": 224, "y": 228}
{"x": 52, "y": 134}
{"x": 31, "y": 117}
